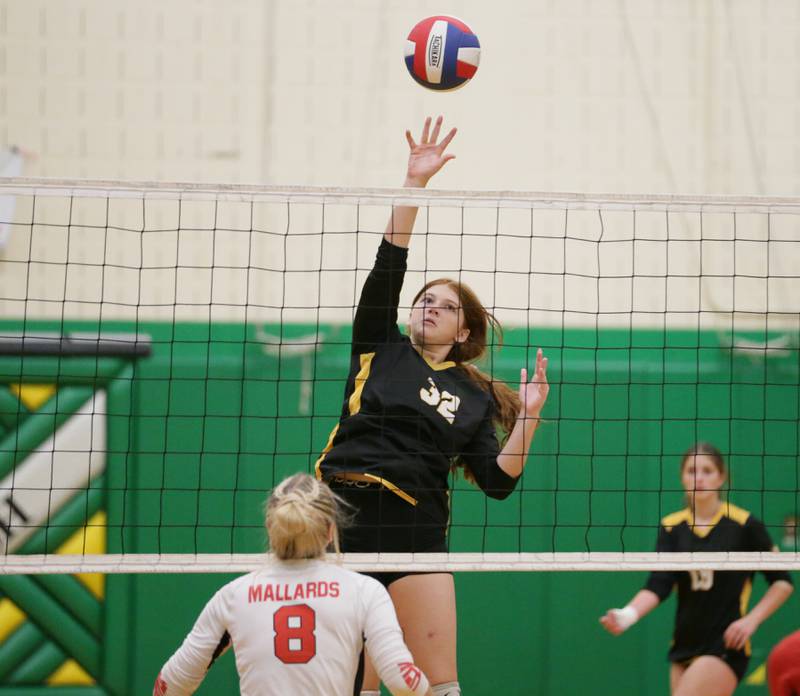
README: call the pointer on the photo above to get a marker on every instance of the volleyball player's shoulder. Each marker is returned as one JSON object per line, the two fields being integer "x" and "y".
{"x": 357, "y": 587}
{"x": 669, "y": 522}
{"x": 239, "y": 584}
{"x": 739, "y": 515}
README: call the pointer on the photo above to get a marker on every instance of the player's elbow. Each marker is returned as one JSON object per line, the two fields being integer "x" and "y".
{"x": 498, "y": 493}
{"x": 786, "y": 586}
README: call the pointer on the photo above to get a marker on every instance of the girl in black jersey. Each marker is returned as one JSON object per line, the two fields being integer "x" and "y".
{"x": 413, "y": 407}
{"x": 711, "y": 642}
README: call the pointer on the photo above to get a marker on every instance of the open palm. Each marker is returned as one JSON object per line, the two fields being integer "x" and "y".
{"x": 533, "y": 394}
{"x": 428, "y": 156}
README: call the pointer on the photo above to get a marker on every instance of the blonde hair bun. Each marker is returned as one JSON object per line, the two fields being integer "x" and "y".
{"x": 301, "y": 512}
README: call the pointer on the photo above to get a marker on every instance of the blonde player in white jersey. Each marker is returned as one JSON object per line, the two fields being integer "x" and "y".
{"x": 298, "y": 625}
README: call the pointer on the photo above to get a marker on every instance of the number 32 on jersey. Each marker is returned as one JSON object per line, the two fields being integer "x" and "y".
{"x": 446, "y": 403}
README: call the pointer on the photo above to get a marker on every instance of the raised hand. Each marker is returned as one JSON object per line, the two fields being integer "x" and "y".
{"x": 533, "y": 394}
{"x": 427, "y": 157}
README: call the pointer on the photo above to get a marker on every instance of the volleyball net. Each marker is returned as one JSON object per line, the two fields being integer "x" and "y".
{"x": 168, "y": 353}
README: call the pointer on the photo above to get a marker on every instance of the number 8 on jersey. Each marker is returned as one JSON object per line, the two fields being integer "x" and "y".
{"x": 295, "y": 642}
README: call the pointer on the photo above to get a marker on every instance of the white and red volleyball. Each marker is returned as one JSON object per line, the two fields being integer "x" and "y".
{"x": 442, "y": 53}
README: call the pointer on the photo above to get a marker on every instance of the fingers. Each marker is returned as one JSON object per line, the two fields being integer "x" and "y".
{"x": 447, "y": 138}
{"x": 540, "y": 375}
{"x": 431, "y": 137}
{"x": 425, "y": 131}
{"x": 609, "y": 623}
{"x": 410, "y": 140}
{"x": 541, "y": 361}
{"x": 735, "y": 640}
{"x": 731, "y": 641}
{"x": 736, "y": 636}
{"x": 436, "y": 128}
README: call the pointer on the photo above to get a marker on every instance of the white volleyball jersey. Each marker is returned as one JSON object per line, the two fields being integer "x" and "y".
{"x": 296, "y": 627}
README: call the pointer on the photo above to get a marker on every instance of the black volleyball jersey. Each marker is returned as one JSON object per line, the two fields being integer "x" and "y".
{"x": 404, "y": 419}
{"x": 709, "y": 601}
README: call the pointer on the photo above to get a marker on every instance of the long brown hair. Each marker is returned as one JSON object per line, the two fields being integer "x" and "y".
{"x": 478, "y": 320}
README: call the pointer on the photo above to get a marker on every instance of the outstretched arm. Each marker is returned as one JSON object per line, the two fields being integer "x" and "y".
{"x": 658, "y": 588}
{"x": 424, "y": 159}
{"x": 185, "y": 670}
{"x": 532, "y": 396}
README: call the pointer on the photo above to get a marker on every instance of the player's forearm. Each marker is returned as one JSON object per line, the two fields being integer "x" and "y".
{"x": 400, "y": 226}
{"x": 773, "y": 598}
{"x": 397, "y": 670}
{"x": 514, "y": 454}
{"x": 644, "y": 601}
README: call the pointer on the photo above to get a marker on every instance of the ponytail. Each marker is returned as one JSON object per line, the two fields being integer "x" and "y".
{"x": 301, "y": 514}
{"x": 506, "y": 400}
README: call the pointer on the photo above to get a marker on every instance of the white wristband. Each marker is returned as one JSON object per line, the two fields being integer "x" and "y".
{"x": 626, "y": 617}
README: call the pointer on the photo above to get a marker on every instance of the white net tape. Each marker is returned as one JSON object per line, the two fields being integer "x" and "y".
{"x": 404, "y": 562}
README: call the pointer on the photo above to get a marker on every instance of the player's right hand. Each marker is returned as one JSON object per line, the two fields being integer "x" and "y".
{"x": 428, "y": 156}
{"x": 613, "y": 622}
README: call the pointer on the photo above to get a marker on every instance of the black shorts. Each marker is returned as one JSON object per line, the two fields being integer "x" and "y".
{"x": 385, "y": 523}
{"x": 737, "y": 660}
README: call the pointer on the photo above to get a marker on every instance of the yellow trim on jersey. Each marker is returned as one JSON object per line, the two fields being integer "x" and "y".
{"x": 324, "y": 453}
{"x": 439, "y": 366}
{"x": 703, "y": 530}
{"x": 675, "y": 519}
{"x": 354, "y": 403}
{"x": 372, "y": 478}
{"x": 353, "y": 406}
{"x": 434, "y": 366}
{"x": 726, "y": 509}
{"x": 736, "y": 513}
{"x": 744, "y": 600}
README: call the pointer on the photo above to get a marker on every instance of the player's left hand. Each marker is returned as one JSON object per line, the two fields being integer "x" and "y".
{"x": 533, "y": 394}
{"x": 739, "y": 632}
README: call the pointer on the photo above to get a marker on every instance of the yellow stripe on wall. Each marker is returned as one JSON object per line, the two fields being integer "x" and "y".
{"x": 89, "y": 539}
{"x": 11, "y": 617}
{"x": 70, "y": 673}
{"x": 34, "y": 396}
{"x": 758, "y": 676}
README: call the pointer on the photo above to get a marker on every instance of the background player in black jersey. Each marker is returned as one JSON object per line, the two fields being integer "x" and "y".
{"x": 711, "y": 641}
{"x": 413, "y": 405}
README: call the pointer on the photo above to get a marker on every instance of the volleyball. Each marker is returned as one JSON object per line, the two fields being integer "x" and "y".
{"x": 442, "y": 53}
